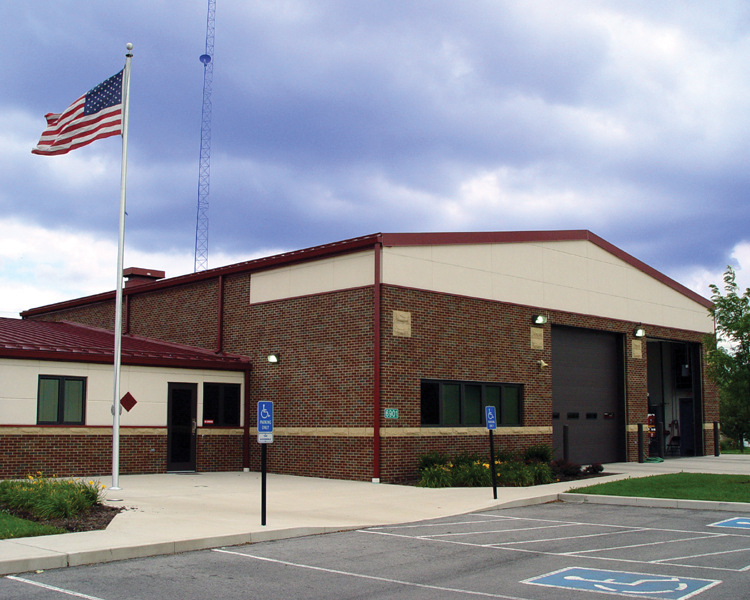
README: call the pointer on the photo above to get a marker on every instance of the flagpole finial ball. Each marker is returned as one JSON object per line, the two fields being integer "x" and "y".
{"x": 129, "y": 46}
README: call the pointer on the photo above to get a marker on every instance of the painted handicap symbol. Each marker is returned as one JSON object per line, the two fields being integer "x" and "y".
{"x": 625, "y": 583}
{"x": 650, "y": 586}
{"x": 736, "y": 522}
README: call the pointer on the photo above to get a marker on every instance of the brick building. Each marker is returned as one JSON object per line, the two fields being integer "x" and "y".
{"x": 391, "y": 345}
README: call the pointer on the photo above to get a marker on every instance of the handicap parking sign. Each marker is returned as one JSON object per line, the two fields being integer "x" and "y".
{"x": 622, "y": 582}
{"x": 491, "y": 417}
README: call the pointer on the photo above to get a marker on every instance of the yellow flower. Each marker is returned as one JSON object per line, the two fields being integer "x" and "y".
{"x": 91, "y": 482}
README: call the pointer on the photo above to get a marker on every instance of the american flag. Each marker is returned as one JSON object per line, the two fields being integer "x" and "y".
{"x": 94, "y": 116}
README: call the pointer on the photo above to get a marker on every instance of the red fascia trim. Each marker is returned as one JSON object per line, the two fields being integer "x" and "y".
{"x": 481, "y": 237}
{"x": 106, "y": 359}
{"x": 378, "y": 249}
{"x": 259, "y": 264}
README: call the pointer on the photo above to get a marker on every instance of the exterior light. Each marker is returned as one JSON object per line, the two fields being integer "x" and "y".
{"x": 639, "y": 332}
{"x": 274, "y": 358}
{"x": 539, "y": 319}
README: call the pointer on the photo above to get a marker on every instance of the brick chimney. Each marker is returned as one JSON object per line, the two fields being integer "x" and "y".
{"x": 135, "y": 276}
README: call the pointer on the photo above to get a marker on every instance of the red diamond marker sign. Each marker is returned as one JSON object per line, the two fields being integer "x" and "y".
{"x": 128, "y": 402}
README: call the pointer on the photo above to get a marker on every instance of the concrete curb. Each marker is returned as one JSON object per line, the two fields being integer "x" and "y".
{"x": 574, "y": 498}
{"x": 49, "y": 558}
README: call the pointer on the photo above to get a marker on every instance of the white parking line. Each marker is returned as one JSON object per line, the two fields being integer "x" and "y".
{"x": 575, "y": 537}
{"x": 371, "y": 577}
{"x": 495, "y": 531}
{"x": 663, "y": 542}
{"x": 53, "y": 588}
{"x": 588, "y": 554}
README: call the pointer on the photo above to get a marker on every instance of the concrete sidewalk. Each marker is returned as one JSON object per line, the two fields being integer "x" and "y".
{"x": 174, "y": 513}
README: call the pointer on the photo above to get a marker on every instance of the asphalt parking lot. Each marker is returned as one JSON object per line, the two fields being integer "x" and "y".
{"x": 551, "y": 551}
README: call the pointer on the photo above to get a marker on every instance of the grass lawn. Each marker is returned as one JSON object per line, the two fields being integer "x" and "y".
{"x": 13, "y": 527}
{"x": 683, "y": 486}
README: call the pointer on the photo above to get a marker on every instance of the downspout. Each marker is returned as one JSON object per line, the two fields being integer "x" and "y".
{"x": 246, "y": 431}
{"x": 126, "y": 318}
{"x": 220, "y": 319}
{"x": 376, "y": 366}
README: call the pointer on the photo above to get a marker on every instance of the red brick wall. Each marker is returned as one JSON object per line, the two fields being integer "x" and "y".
{"x": 325, "y": 376}
{"x": 79, "y": 455}
{"x": 100, "y": 314}
{"x": 219, "y": 452}
{"x": 183, "y": 315}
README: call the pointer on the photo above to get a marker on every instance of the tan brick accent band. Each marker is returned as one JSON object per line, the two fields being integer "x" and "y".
{"x": 398, "y": 432}
{"x": 31, "y": 430}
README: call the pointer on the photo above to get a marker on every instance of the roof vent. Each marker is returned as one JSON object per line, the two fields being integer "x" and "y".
{"x": 135, "y": 276}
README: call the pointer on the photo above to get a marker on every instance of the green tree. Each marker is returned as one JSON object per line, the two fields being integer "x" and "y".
{"x": 729, "y": 357}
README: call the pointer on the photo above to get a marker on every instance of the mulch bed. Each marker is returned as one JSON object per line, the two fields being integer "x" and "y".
{"x": 96, "y": 518}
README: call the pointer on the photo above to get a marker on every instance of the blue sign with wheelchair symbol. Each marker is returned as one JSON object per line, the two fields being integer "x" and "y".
{"x": 491, "y": 417}
{"x": 624, "y": 583}
{"x": 265, "y": 417}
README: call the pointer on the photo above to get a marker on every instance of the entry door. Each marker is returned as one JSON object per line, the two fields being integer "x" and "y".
{"x": 181, "y": 426}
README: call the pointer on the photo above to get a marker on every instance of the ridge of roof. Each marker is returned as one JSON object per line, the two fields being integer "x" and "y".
{"x": 388, "y": 240}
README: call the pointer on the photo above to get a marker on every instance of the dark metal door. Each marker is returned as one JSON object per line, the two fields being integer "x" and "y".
{"x": 181, "y": 426}
{"x": 587, "y": 396}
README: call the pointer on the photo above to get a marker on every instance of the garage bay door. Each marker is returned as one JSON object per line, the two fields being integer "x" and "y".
{"x": 587, "y": 394}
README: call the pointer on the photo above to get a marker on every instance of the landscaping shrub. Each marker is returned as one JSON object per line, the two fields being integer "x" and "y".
{"x": 49, "y": 498}
{"x": 432, "y": 459}
{"x": 593, "y": 469}
{"x": 514, "y": 474}
{"x": 505, "y": 456}
{"x": 539, "y": 453}
{"x": 466, "y": 458}
{"x": 564, "y": 469}
{"x": 435, "y": 476}
{"x": 541, "y": 472}
{"x": 475, "y": 474}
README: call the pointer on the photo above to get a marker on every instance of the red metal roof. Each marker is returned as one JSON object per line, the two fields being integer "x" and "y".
{"x": 46, "y": 340}
{"x": 386, "y": 239}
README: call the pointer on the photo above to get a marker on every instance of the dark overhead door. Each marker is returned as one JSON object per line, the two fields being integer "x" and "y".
{"x": 587, "y": 394}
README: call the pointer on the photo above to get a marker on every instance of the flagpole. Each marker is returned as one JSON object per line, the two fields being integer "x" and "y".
{"x": 120, "y": 253}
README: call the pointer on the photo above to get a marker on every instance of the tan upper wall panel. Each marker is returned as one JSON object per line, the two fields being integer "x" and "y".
{"x": 574, "y": 276}
{"x": 313, "y": 277}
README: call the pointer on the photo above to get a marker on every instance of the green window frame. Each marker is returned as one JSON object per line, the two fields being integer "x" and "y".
{"x": 462, "y": 403}
{"x": 221, "y": 404}
{"x": 61, "y": 400}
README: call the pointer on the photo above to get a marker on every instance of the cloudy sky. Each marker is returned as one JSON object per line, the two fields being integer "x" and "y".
{"x": 339, "y": 118}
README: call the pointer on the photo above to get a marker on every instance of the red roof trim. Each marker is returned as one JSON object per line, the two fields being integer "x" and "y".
{"x": 258, "y": 264}
{"x": 71, "y": 342}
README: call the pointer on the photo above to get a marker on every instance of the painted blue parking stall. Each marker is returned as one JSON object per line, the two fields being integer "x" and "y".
{"x": 623, "y": 583}
{"x": 736, "y": 523}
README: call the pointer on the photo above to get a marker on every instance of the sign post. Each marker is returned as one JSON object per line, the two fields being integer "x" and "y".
{"x": 265, "y": 436}
{"x": 491, "y": 419}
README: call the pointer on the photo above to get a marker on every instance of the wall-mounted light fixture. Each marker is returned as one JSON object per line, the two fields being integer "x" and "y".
{"x": 542, "y": 364}
{"x": 539, "y": 319}
{"x": 639, "y": 331}
{"x": 274, "y": 358}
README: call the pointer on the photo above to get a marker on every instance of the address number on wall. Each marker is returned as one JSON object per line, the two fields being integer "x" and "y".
{"x": 391, "y": 413}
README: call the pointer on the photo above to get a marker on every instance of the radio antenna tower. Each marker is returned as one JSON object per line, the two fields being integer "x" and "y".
{"x": 204, "y": 169}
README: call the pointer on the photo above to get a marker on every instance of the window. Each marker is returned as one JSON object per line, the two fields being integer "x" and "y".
{"x": 221, "y": 404}
{"x": 463, "y": 402}
{"x": 61, "y": 400}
